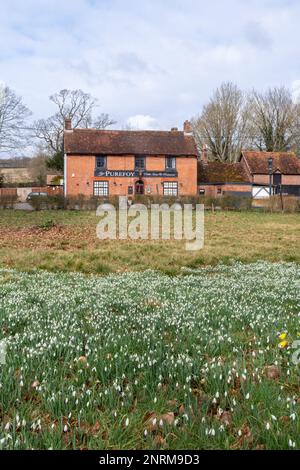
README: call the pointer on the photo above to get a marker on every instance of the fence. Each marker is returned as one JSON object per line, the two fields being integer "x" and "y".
{"x": 8, "y": 192}
{"x": 21, "y": 193}
{"x": 56, "y": 200}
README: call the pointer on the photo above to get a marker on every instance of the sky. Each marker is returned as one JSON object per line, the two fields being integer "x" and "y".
{"x": 150, "y": 63}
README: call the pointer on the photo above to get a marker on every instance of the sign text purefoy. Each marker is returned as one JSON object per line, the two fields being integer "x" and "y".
{"x": 136, "y": 174}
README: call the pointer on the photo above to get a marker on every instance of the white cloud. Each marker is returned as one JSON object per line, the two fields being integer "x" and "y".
{"x": 142, "y": 122}
{"x": 161, "y": 58}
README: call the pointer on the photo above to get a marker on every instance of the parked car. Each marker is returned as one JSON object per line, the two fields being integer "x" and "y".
{"x": 34, "y": 195}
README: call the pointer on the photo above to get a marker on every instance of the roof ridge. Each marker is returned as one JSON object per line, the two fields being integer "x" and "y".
{"x": 263, "y": 153}
{"x": 79, "y": 129}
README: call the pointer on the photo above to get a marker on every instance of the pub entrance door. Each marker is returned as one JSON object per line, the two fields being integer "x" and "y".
{"x": 140, "y": 188}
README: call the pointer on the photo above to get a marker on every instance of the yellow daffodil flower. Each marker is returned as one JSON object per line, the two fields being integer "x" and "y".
{"x": 283, "y": 336}
{"x": 283, "y": 344}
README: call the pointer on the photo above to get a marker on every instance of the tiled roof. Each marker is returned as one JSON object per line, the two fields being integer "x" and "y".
{"x": 216, "y": 172}
{"x": 286, "y": 162}
{"x": 90, "y": 141}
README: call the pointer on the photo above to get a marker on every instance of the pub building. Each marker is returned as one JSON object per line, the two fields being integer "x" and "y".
{"x": 105, "y": 163}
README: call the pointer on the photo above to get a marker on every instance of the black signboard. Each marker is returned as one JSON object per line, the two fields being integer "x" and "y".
{"x": 135, "y": 174}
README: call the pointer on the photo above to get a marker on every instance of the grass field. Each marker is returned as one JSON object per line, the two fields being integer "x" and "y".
{"x": 66, "y": 241}
{"x": 149, "y": 361}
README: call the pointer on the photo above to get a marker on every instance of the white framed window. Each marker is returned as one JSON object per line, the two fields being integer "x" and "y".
{"x": 101, "y": 188}
{"x": 171, "y": 188}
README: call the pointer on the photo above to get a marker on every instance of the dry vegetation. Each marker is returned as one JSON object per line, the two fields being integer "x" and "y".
{"x": 66, "y": 241}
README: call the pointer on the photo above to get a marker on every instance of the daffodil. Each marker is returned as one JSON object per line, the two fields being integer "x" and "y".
{"x": 283, "y": 344}
{"x": 283, "y": 336}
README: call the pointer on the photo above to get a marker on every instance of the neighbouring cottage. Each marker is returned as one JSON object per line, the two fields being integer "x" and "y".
{"x": 251, "y": 176}
{"x": 285, "y": 172}
{"x": 216, "y": 179}
{"x": 126, "y": 163}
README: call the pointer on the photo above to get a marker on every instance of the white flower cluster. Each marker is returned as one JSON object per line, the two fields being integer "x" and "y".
{"x": 86, "y": 349}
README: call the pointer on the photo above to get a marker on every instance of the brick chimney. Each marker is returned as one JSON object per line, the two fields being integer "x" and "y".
{"x": 187, "y": 127}
{"x": 204, "y": 154}
{"x": 68, "y": 124}
{"x": 174, "y": 129}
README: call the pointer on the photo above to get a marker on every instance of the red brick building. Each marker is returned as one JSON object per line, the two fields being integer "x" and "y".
{"x": 285, "y": 172}
{"x": 216, "y": 179}
{"x": 251, "y": 175}
{"x": 108, "y": 163}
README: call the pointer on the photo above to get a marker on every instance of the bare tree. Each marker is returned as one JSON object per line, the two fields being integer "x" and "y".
{"x": 296, "y": 132}
{"x": 13, "y": 117}
{"x": 75, "y": 105}
{"x": 274, "y": 120}
{"x": 38, "y": 168}
{"x": 222, "y": 126}
{"x": 103, "y": 121}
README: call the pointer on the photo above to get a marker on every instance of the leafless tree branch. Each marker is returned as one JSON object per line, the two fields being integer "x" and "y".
{"x": 13, "y": 117}
{"x": 72, "y": 104}
{"x": 273, "y": 119}
{"x": 223, "y": 123}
